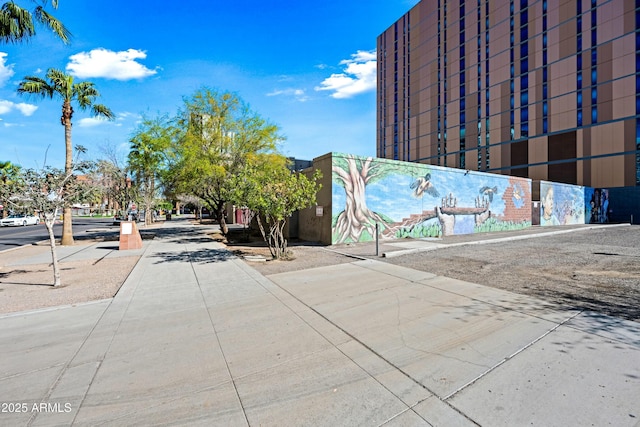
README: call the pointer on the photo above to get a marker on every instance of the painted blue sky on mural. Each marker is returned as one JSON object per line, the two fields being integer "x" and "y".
{"x": 393, "y": 196}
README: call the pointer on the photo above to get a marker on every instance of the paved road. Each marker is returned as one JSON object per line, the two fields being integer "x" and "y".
{"x": 11, "y": 237}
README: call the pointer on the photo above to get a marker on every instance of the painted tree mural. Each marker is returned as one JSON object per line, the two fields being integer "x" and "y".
{"x": 354, "y": 174}
{"x": 421, "y": 201}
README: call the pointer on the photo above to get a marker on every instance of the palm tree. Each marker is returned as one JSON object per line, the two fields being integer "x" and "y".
{"x": 62, "y": 86}
{"x": 17, "y": 23}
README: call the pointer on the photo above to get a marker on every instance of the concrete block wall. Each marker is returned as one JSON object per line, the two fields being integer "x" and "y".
{"x": 624, "y": 203}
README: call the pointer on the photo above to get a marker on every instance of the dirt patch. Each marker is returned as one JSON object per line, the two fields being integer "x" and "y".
{"x": 302, "y": 256}
{"x": 29, "y": 287}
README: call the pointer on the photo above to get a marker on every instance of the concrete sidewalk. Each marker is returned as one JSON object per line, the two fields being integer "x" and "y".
{"x": 197, "y": 337}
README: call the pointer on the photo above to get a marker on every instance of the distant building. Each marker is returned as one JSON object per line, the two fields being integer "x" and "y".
{"x": 298, "y": 165}
{"x": 544, "y": 89}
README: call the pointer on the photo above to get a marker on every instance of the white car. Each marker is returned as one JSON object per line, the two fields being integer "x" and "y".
{"x": 19, "y": 219}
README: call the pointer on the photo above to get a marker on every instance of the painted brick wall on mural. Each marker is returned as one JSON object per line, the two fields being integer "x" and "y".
{"x": 415, "y": 200}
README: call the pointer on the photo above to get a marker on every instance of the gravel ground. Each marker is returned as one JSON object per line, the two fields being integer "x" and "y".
{"x": 596, "y": 270}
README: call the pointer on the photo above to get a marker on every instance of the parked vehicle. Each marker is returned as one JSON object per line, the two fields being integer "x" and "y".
{"x": 19, "y": 219}
{"x": 131, "y": 215}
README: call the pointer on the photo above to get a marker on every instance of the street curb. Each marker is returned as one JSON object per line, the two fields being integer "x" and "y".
{"x": 54, "y": 308}
{"x": 23, "y": 246}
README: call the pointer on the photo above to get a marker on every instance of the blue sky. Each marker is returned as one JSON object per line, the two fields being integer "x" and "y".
{"x": 308, "y": 67}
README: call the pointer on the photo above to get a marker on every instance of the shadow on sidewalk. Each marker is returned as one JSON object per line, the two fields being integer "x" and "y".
{"x": 202, "y": 256}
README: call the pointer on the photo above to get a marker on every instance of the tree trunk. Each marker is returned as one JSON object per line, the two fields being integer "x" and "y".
{"x": 221, "y": 219}
{"x": 277, "y": 240}
{"x": 67, "y": 231}
{"x": 356, "y": 216}
{"x": 49, "y": 220}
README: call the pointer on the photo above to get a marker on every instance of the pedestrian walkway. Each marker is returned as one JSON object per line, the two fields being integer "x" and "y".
{"x": 197, "y": 337}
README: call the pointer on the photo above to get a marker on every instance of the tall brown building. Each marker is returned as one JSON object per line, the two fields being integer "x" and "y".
{"x": 545, "y": 89}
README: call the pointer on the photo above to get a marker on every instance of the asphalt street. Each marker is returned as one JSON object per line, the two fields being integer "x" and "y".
{"x": 12, "y": 237}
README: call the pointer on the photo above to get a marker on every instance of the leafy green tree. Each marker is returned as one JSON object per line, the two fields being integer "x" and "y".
{"x": 148, "y": 158}
{"x": 17, "y": 24}
{"x": 274, "y": 193}
{"x": 62, "y": 86}
{"x": 9, "y": 179}
{"x": 221, "y": 133}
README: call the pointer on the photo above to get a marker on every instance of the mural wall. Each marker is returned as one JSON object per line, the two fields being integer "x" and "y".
{"x": 416, "y": 200}
{"x": 564, "y": 204}
{"x": 597, "y": 206}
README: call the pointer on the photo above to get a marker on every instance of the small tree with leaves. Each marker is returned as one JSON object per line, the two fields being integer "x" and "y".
{"x": 9, "y": 181}
{"x": 271, "y": 190}
{"x": 150, "y": 146}
{"x": 47, "y": 191}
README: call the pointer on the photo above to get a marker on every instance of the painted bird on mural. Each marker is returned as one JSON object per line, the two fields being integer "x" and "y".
{"x": 518, "y": 193}
{"x": 489, "y": 192}
{"x": 424, "y": 185}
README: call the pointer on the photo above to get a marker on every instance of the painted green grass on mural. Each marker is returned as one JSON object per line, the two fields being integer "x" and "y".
{"x": 334, "y": 220}
{"x": 420, "y": 231}
{"x": 365, "y": 236}
{"x": 493, "y": 224}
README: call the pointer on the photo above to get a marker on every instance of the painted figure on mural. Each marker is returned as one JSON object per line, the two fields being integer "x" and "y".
{"x": 595, "y": 207}
{"x": 604, "y": 211}
{"x": 548, "y": 217}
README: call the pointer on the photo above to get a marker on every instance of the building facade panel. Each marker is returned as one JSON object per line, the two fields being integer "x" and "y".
{"x": 544, "y": 88}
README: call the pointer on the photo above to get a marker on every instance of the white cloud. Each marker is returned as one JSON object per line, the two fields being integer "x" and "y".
{"x": 358, "y": 76}
{"x": 88, "y": 122}
{"x": 299, "y": 94}
{"x": 125, "y": 115}
{"x": 5, "y": 106}
{"x": 25, "y": 109}
{"x": 6, "y": 71}
{"x": 109, "y": 64}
